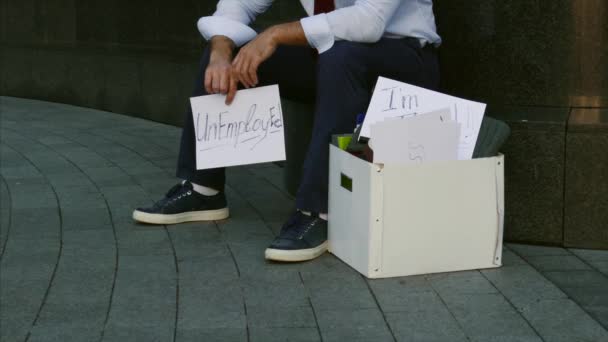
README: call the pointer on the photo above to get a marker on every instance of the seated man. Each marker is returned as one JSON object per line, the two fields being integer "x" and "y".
{"x": 332, "y": 58}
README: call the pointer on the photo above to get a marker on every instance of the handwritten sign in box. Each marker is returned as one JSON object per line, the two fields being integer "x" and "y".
{"x": 248, "y": 131}
{"x": 394, "y": 99}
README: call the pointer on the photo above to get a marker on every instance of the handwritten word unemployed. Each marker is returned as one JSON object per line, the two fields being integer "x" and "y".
{"x": 219, "y": 130}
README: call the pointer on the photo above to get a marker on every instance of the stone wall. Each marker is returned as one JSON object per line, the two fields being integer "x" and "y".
{"x": 132, "y": 57}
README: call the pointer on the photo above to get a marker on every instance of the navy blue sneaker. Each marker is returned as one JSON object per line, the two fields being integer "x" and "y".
{"x": 302, "y": 238}
{"x": 183, "y": 204}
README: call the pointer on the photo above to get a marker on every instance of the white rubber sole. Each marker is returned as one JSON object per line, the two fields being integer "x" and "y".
{"x": 204, "y": 215}
{"x": 295, "y": 255}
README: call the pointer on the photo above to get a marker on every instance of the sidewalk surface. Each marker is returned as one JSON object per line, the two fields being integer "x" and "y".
{"x": 75, "y": 267}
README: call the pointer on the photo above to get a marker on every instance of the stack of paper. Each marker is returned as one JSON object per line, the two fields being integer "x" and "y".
{"x": 408, "y": 124}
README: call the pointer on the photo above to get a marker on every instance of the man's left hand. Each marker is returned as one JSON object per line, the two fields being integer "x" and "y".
{"x": 245, "y": 65}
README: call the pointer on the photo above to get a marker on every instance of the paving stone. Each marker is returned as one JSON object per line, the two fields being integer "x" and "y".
{"x": 108, "y": 176}
{"x": 511, "y": 259}
{"x": 19, "y": 172}
{"x": 208, "y": 270}
{"x": 426, "y": 323}
{"x": 399, "y": 294}
{"x": 578, "y": 279}
{"x": 86, "y": 219}
{"x": 272, "y": 316}
{"x": 210, "y": 306}
{"x": 262, "y": 293}
{"x": 197, "y": 239}
{"x": 144, "y": 242}
{"x": 32, "y": 196}
{"x": 558, "y": 263}
{"x": 35, "y": 223}
{"x": 29, "y": 259}
{"x": 353, "y": 325}
{"x": 523, "y": 284}
{"x": 212, "y": 334}
{"x": 461, "y": 283}
{"x": 284, "y": 335}
{"x": 489, "y": 317}
{"x": 531, "y": 251}
{"x": 128, "y": 330}
{"x": 20, "y": 303}
{"x": 563, "y": 320}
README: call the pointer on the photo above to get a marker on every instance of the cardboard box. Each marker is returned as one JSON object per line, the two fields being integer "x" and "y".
{"x": 400, "y": 220}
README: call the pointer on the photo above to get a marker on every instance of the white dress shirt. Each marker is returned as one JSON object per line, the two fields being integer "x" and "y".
{"x": 363, "y": 21}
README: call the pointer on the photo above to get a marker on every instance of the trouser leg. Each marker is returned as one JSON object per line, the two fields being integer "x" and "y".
{"x": 345, "y": 77}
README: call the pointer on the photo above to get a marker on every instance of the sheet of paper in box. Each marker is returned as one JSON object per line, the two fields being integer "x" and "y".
{"x": 248, "y": 131}
{"x": 422, "y": 139}
{"x": 394, "y": 99}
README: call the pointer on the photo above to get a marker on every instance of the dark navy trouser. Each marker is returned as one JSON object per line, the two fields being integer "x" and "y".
{"x": 339, "y": 82}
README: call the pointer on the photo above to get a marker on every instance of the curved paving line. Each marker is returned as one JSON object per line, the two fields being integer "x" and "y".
{"x": 59, "y": 254}
{"x": 169, "y": 237}
{"x": 171, "y": 242}
{"x": 116, "y": 255}
{"x": 9, "y": 220}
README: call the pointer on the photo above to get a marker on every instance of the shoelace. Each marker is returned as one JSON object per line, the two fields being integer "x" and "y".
{"x": 295, "y": 228}
{"x": 175, "y": 193}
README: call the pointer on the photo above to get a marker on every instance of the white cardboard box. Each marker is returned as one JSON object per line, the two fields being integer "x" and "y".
{"x": 399, "y": 220}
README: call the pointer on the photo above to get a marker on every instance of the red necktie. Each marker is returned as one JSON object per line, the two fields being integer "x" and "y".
{"x": 324, "y": 6}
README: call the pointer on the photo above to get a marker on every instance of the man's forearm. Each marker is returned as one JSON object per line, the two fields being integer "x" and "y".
{"x": 288, "y": 34}
{"x": 222, "y": 47}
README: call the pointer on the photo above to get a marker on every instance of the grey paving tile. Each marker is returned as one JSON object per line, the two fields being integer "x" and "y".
{"x": 523, "y": 284}
{"x": 20, "y": 303}
{"x": 210, "y": 306}
{"x": 461, "y": 283}
{"x": 353, "y": 325}
{"x": 20, "y": 172}
{"x": 590, "y": 254}
{"x": 144, "y": 242}
{"x": 558, "y": 263}
{"x": 197, "y": 239}
{"x": 212, "y": 334}
{"x": 86, "y": 219}
{"x": 427, "y": 323}
{"x": 53, "y": 140}
{"x": 50, "y": 163}
{"x": 578, "y": 279}
{"x": 263, "y": 293}
{"x": 489, "y": 317}
{"x": 35, "y": 223}
{"x": 563, "y": 320}
{"x": 398, "y": 294}
{"x": 29, "y": 196}
{"x": 529, "y": 250}
{"x": 64, "y": 332}
{"x": 511, "y": 259}
{"x": 284, "y": 335}
{"x": 271, "y": 316}
{"x": 127, "y": 330}
{"x": 208, "y": 270}
{"x": 108, "y": 176}
{"x": 29, "y": 259}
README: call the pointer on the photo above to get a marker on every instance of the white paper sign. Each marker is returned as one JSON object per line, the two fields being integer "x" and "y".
{"x": 397, "y": 99}
{"x": 248, "y": 131}
{"x": 414, "y": 141}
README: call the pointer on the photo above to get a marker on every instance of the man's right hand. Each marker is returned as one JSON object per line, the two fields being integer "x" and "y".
{"x": 219, "y": 77}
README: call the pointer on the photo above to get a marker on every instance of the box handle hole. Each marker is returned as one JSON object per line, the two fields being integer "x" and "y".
{"x": 346, "y": 182}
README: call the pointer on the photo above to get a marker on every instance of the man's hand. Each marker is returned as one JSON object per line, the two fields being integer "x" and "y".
{"x": 249, "y": 58}
{"x": 219, "y": 77}
{"x": 245, "y": 65}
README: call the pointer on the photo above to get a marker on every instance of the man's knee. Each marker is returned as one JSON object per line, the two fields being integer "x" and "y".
{"x": 343, "y": 53}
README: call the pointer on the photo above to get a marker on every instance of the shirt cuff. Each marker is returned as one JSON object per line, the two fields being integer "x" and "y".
{"x": 318, "y": 32}
{"x": 221, "y": 26}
